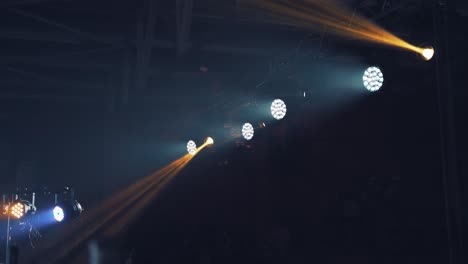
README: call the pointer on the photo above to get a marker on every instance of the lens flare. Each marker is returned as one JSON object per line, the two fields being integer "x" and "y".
{"x": 209, "y": 141}
{"x": 428, "y": 53}
{"x": 58, "y": 213}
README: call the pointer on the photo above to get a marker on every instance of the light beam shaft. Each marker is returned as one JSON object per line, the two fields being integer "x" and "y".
{"x": 311, "y": 13}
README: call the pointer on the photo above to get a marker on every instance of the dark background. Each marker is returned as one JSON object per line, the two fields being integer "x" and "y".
{"x": 347, "y": 176}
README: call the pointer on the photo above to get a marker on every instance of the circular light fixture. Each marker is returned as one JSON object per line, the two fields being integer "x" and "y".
{"x": 20, "y": 208}
{"x": 373, "y": 79}
{"x": 191, "y": 147}
{"x": 209, "y": 141}
{"x": 428, "y": 53}
{"x": 278, "y": 109}
{"x": 59, "y": 215}
{"x": 67, "y": 210}
{"x": 247, "y": 131}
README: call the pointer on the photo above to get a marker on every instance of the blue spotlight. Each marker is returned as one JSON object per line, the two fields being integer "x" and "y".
{"x": 67, "y": 210}
{"x": 58, "y": 213}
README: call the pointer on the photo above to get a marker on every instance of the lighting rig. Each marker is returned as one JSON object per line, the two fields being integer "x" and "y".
{"x": 29, "y": 211}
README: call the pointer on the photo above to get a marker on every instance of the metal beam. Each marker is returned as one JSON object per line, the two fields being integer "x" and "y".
{"x": 66, "y": 63}
{"x": 46, "y": 97}
{"x": 144, "y": 45}
{"x": 32, "y": 78}
{"x": 62, "y": 26}
{"x": 451, "y": 175}
{"x": 35, "y": 35}
{"x": 183, "y": 24}
{"x": 11, "y": 3}
{"x": 126, "y": 75}
{"x": 389, "y": 11}
{"x": 247, "y": 21}
{"x": 70, "y": 61}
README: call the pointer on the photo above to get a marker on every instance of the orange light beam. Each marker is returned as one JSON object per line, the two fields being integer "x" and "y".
{"x": 90, "y": 223}
{"x": 310, "y": 13}
{"x": 137, "y": 209}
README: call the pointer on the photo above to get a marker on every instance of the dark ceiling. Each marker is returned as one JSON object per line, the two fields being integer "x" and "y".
{"x": 96, "y": 94}
{"x": 85, "y": 71}
{"x": 77, "y": 66}
{"x": 88, "y": 52}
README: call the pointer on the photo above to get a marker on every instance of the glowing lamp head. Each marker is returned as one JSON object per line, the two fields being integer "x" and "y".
{"x": 17, "y": 210}
{"x": 191, "y": 147}
{"x": 278, "y": 109}
{"x": 67, "y": 210}
{"x": 373, "y": 79}
{"x": 428, "y": 53}
{"x": 59, "y": 215}
{"x": 247, "y": 131}
{"x": 209, "y": 141}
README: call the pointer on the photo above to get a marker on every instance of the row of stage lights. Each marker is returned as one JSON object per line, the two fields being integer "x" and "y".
{"x": 278, "y": 111}
{"x": 19, "y": 209}
{"x": 61, "y": 211}
{"x": 372, "y": 80}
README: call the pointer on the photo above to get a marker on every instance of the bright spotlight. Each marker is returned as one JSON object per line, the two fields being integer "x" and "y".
{"x": 191, "y": 147}
{"x": 428, "y": 53}
{"x": 209, "y": 141}
{"x": 373, "y": 79}
{"x": 67, "y": 210}
{"x": 278, "y": 109}
{"x": 58, "y": 213}
{"x": 20, "y": 208}
{"x": 247, "y": 131}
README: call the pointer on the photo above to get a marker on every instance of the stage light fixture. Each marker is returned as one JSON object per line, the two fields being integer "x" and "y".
{"x": 428, "y": 53}
{"x": 373, "y": 79}
{"x": 278, "y": 109}
{"x": 191, "y": 147}
{"x": 19, "y": 209}
{"x": 58, "y": 213}
{"x": 247, "y": 131}
{"x": 209, "y": 141}
{"x": 67, "y": 210}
